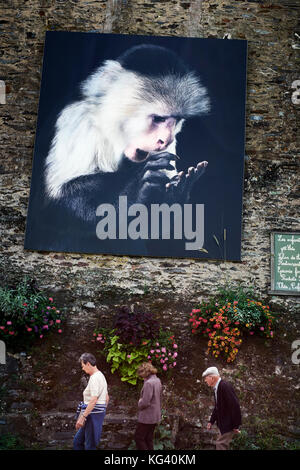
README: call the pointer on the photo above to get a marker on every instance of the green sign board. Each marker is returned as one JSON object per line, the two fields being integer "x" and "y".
{"x": 285, "y": 263}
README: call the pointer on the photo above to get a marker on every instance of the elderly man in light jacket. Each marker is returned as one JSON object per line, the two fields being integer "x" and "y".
{"x": 149, "y": 407}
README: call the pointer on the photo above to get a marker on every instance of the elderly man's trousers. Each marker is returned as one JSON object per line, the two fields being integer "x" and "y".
{"x": 223, "y": 440}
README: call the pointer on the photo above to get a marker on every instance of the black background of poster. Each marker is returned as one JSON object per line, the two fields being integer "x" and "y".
{"x": 217, "y": 137}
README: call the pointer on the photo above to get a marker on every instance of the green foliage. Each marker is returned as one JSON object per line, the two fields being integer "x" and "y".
{"x": 244, "y": 308}
{"x": 226, "y": 317}
{"x": 141, "y": 342}
{"x": 10, "y": 442}
{"x": 125, "y": 359}
{"x": 263, "y": 434}
{"x": 163, "y": 437}
{"x": 27, "y": 313}
{"x": 231, "y": 293}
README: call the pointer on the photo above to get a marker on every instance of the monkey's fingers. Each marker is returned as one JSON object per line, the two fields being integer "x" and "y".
{"x": 155, "y": 177}
{"x": 200, "y": 169}
{"x": 202, "y": 164}
{"x": 194, "y": 173}
{"x": 168, "y": 155}
{"x": 176, "y": 181}
{"x": 159, "y": 164}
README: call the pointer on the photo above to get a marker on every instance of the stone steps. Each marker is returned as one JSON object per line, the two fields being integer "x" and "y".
{"x": 58, "y": 430}
{"x": 55, "y": 429}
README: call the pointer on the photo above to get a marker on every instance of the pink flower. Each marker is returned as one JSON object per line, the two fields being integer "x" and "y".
{"x": 152, "y": 351}
{"x": 11, "y": 332}
{"x": 59, "y": 331}
{"x": 9, "y": 323}
{"x": 175, "y": 346}
{"x": 41, "y": 336}
{"x": 174, "y": 364}
{"x": 50, "y": 298}
{"x": 58, "y": 321}
{"x": 251, "y": 332}
{"x": 129, "y": 356}
{"x": 157, "y": 344}
{"x": 45, "y": 327}
{"x": 158, "y": 350}
{"x": 165, "y": 367}
{"x": 163, "y": 350}
{"x": 262, "y": 328}
{"x": 29, "y": 329}
{"x": 175, "y": 354}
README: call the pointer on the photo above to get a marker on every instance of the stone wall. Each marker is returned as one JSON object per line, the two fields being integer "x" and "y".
{"x": 93, "y": 285}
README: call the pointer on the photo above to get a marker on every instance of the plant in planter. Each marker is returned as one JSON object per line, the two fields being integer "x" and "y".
{"x": 135, "y": 327}
{"x": 136, "y": 337}
{"x": 163, "y": 351}
{"x": 125, "y": 358}
{"x": 26, "y": 313}
{"x": 226, "y": 318}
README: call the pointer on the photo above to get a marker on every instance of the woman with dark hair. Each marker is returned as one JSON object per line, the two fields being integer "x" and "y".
{"x": 149, "y": 406}
{"x": 91, "y": 411}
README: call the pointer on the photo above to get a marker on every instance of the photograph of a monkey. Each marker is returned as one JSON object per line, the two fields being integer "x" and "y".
{"x": 140, "y": 146}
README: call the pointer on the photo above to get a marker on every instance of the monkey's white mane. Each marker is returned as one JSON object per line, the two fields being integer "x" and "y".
{"x": 88, "y": 136}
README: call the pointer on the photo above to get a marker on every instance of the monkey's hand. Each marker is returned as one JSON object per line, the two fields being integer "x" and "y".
{"x": 157, "y": 174}
{"x": 179, "y": 188}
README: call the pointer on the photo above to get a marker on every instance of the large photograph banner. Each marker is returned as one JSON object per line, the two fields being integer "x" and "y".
{"x": 139, "y": 146}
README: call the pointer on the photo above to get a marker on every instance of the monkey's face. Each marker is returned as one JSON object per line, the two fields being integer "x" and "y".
{"x": 158, "y": 135}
